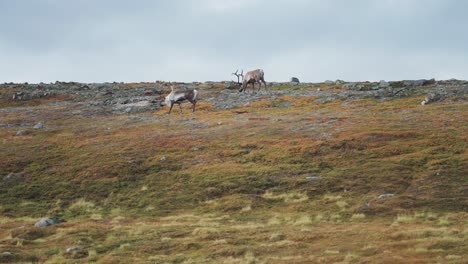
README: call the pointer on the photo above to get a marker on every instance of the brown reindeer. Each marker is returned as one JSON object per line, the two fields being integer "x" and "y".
{"x": 252, "y": 77}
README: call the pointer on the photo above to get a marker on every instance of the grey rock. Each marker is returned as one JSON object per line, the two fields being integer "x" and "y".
{"x": 9, "y": 177}
{"x": 14, "y": 177}
{"x": 414, "y": 83}
{"x": 7, "y": 253}
{"x": 21, "y": 132}
{"x": 294, "y": 80}
{"x": 418, "y": 83}
{"x": 76, "y": 248}
{"x": 313, "y": 177}
{"x": 39, "y": 125}
{"x": 349, "y": 86}
{"x": 163, "y": 158}
{"x": 47, "y": 222}
{"x": 383, "y": 84}
{"x": 386, "y": 195}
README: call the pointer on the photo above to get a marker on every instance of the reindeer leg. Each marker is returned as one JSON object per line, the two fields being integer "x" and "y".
{"x": 180, "y": 106}
{"x": 264, "y": 83}
{"x": 170, "y": 109}
{"x": 194, "y": 103}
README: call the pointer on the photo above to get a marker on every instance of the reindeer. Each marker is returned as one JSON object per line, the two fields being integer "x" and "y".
{"x": 178, "y": 96}
{"x": 253, "y": 77}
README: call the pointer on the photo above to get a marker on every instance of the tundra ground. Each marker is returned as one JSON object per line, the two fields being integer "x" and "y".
{"x": 282, "y": 179}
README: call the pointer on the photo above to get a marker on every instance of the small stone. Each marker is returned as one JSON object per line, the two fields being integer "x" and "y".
{"x": 19, "y": 176}
{"x": 386, "y": 195}
{"x": 39, "y": 125}
{"x": 196, "y": 149}
{"x": 48, "y": 221}
{"x": 220, "y": 123}
{"x": 8, "y": 177}
{"x": 78, "y": 248}
{"x": 6, "y": 253}
{"x": 313, "y": 177}
{"x": 163, "y": 158}
{"x": 21, "y": 132}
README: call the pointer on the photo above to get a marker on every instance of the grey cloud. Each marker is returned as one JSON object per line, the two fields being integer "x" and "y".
{"x": 205, "y": 40}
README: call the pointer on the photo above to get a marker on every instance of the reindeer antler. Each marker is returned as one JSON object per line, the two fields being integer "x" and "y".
{"x": 238, "y": 75}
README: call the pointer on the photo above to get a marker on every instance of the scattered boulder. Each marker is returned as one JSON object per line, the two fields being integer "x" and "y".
{"x": 384, "y": 84}
{"x": 386, "y": 195}
{"x": 413, "y": 83}
{"x": 14, "y": 177}
{"x": 48, "y": 221}
{"x": 294, "y": 80}
{"x": 76, "y": 248}
{"x": 8, "y": 177}
{"x": 39, "y": 125}
{"x": 418, "y": 83}
{"x": 349, "y": 86}
{"x": 21, "y": 132}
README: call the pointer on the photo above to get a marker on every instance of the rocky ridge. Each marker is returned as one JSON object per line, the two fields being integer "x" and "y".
{"x": 123, "y": 98}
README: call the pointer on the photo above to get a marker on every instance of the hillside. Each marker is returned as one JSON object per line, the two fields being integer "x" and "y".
{"x": 331, "y": 172}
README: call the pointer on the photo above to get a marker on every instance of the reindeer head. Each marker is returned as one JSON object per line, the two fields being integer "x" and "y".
{"x": 163, "y": 101}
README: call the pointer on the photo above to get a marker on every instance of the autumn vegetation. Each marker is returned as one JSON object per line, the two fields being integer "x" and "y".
{"x": 281, "y": 180}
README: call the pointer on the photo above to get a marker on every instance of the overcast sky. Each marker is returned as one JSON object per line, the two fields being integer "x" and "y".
{"x": 200, "y": 40}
